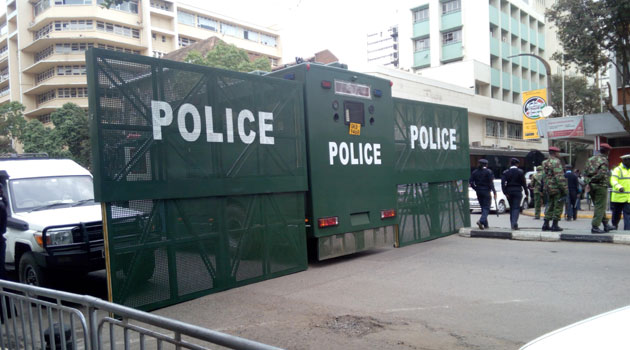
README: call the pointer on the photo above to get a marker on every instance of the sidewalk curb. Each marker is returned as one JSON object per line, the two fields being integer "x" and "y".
{"x": 531, "y": 212}
{"x": 544, "y": 236}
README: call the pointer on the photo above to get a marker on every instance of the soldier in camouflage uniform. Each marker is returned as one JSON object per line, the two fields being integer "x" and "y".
{"x": 555, "y": 187}
{"x": 536, "y": 184}
{"x": 597, "y": 178}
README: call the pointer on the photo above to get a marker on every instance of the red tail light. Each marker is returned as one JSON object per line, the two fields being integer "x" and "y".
{"x": 389, "y": 213}
{"x": 327, "y": 222}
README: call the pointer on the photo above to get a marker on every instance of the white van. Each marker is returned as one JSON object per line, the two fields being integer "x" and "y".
{"x": 53, "y": 222}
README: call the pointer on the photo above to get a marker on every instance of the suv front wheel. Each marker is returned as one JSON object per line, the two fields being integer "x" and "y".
{"x": 29, "y": 272}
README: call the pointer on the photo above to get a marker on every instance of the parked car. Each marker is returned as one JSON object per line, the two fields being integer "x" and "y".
{"x": 53, "y": 224}
{"x": 606, "y": 331}
{"x": 501, "y": 205}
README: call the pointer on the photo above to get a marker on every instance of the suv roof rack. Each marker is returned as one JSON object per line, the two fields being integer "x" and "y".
{"x": 18, "y": 156}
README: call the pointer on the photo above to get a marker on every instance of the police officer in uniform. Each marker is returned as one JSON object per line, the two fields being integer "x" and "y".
{"x": 555, "y": 187}
{"x": 513, "y": 184}
{"x": 596, "y": 178}
{"x": 620, "y": 198}
{"x": 536, "y": 184}
{"x": 482, "y": 181}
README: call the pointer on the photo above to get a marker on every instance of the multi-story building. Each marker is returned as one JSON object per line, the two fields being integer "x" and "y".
{"x": 382, "y": 47}
{"x": 469, "y": 44}
{"x": 43, "y": 43}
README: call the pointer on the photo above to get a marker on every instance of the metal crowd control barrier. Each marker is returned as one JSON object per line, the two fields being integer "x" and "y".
{"x": 40, "y": 318}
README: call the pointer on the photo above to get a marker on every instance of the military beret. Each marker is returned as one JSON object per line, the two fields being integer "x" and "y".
{"x": 625, "y": 156}
{"x": 484, "y": 161}
{"x": 554, "y": 149}
{"x": 604, "y": 146}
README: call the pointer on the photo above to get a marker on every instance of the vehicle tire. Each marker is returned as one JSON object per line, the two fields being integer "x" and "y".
{"x": 501, "y": 207}
{"x": 31, "y": 273}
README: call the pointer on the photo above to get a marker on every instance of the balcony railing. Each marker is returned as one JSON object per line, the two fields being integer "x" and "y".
{"x": 5, "y": 91}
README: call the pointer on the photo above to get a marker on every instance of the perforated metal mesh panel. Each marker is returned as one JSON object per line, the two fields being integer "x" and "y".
{"x": 188, "y": 217}
{"x": 432, "y": 169}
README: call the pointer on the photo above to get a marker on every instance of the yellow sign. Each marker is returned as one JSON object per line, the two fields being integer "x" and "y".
{"x": 355, "y": 129}
{"x": 533, "y": 103}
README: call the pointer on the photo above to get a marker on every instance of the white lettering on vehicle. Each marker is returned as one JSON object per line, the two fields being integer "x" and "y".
{"x": 354, "y": 154}
{"x": 162, "y": 115}
{"x": 432, "y": 138}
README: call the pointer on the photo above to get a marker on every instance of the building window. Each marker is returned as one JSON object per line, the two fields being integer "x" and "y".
{"x": 268, "y": 40}
{"x": 44, "y": 119}
{"x": 4, "y": 74}
{"x": 117, "y": 48}
{"x": 71, "y": 70}
{"x": 494, "y": 128}
{"x": 186, "y": 18}
{"x": 153, "y": 36}
{"x": 207, "y": 23}
{"x": 421, "y": 44}
{"x": 72, "y": 92}
{"x": 127, "y": 5}
{"x": 118, "y": 29}
{"x": 421, "y": 15}
{"x": 515, "y": 131}
{"x": 251, "y": 35}
{"x": 452, "y": 37}
{"x": 451, "y": 6}
{"x": 44, "y": 53}
{"x": 161, "y": 5}
{"x": 72, "y": 48}
{"x": 183, "y": 41}
{"x": 47, "y": 74}
{"x": 45, "y": 97}
{"x": 5, "y": 91}
{"x": 41, "y": 6}
{"x": 73, "y": 2}
{"x": 163, "y": 39}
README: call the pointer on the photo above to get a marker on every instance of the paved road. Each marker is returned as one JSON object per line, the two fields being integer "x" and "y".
{"x": 451, "y": 293}
{"x": 503, "y": 221}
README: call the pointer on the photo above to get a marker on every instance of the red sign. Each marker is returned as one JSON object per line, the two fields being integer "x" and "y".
{"x": 565, "y": 127}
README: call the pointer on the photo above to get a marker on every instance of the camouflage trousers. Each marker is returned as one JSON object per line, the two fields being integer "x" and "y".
{"x": 555, "y": 206}
{"x": 598, "y": 196}
{"x": 538, "y": 202}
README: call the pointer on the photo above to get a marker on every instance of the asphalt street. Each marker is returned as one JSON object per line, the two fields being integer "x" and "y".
{"x": 450, "y": 293}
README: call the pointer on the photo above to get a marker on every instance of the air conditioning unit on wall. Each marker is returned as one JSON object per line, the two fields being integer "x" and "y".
{"x": 476, "y": 144}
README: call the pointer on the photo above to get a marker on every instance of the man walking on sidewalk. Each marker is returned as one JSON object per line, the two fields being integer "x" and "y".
{"x": 482, "y": 181}
{"x": 572, "y": 184}
{"x": 620, "y": 198}
{"x": 596, "y": 178}
{"x": 513, "y": 184}
{"x": 555, "y": 187}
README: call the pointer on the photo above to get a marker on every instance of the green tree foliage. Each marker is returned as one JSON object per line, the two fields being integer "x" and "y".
{"x": 38, "y": 138}
{"x": 11, "y": 125}
{"x": 579, "y": 97}
{"x": 229, "y": 57}
{"x": 68, "y": 139}
{"x": 594, "y": 34}
{"x": 71, "y": 124}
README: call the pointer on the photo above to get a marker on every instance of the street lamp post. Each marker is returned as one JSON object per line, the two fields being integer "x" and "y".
{"x": 547, "y": 69}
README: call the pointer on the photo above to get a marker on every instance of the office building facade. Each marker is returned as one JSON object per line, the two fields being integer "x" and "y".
{"x": 43, "y": 43}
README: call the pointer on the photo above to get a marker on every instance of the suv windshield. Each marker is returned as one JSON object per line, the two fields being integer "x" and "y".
{"x": 50, "y": 192}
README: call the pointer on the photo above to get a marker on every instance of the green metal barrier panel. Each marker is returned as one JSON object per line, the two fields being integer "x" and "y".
{"x": 351, "y": 156}
{"x": 202, "y": 173}
{"x": 431, "y": 170}
{"x": 164, "y": 129}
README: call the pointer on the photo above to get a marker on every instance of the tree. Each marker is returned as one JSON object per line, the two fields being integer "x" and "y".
{"x": 38, "y": 138}
{"x": 579, "y": 97}
{"x": 11, "y": 125}
{"x": 594, "y": 34}
{"x": 229, "y": 57}
{"x": 68, "y": 139}
{"x": 71, "y": 124}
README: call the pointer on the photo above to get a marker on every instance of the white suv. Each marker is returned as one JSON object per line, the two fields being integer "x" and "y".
{"x": 53, "y": 222}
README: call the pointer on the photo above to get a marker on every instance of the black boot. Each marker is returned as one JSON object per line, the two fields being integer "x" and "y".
{"x": 555, "y": 227}
{"x": 596, "y": 229}
{"x": 546, "y": 225}
{"x": 608, "y": 228}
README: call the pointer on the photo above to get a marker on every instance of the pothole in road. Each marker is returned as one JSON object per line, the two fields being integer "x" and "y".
{"x": 354, "y": 326}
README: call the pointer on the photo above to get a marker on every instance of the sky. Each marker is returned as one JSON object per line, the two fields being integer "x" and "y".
{"x": 309, "y": 26}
